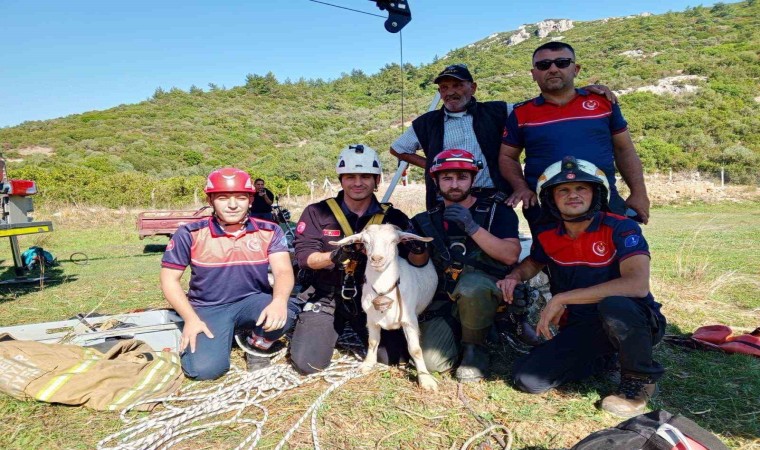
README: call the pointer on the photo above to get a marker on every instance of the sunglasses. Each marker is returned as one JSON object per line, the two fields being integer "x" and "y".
{"x": 561, "y": 63}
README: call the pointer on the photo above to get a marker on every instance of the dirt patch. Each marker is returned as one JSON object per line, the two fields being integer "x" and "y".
{"x": 35, "y": 150}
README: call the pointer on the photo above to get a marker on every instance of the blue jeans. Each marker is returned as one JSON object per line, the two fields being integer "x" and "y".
{"x": 212, "y": 356}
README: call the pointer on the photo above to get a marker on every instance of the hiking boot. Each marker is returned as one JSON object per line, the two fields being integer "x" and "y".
{"x": 256, "y": 362}
{"x": 631, "y": 398}
{"x": 474, "y": 365}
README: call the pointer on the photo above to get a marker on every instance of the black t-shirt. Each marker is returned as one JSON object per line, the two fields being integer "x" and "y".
{"x": 259, "y": 204}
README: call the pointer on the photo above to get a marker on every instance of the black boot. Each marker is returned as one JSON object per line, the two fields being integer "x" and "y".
{"x": 474, "y": 365}
{"x": 256, "y": 362}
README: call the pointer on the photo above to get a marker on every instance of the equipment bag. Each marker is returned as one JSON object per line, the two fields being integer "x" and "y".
{"x": 657, "y": 430}
{"x": 56, "y": 373}
{"x": 37, "y": 255}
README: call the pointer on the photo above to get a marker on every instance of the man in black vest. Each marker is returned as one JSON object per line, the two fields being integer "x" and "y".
{"x": 463, "y": 123}
{"x": 475, "y": 241}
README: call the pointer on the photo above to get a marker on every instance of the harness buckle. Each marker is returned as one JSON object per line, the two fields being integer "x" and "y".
{"x": 346, "y": 290}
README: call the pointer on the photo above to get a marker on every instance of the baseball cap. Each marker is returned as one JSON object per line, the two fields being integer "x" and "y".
{"x": 458, "y": 71}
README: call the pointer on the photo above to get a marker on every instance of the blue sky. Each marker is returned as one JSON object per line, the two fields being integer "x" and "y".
{"x": 65, "y": 57}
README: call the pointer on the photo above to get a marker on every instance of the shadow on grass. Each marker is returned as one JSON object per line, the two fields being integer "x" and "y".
{"x": 154, "y": 248}
{"x": 54, "y": 276}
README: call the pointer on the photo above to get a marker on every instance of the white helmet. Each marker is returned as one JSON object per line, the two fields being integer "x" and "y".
{"x": 570, "y": 170}
{"x": 358, "y": 159}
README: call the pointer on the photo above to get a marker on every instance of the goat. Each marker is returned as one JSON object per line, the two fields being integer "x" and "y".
{"x": 394, "y": 293}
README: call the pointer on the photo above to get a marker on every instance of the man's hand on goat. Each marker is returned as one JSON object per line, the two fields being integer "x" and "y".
{"x": 462, "y": 217}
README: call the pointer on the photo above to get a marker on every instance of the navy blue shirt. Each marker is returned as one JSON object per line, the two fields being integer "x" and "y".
{"x": 592, "y": 258}
{"x": 548, "y": 132}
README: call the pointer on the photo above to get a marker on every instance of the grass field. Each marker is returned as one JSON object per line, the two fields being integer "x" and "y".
{"x": 705, "y": 270}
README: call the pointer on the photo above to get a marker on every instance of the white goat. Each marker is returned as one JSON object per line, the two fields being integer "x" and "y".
{"x": 394, "y": 293}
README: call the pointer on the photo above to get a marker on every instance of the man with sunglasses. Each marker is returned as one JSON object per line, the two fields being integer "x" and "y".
{"x": 562, "y": 121}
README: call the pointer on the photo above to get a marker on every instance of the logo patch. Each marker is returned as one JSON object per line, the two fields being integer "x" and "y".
{"x": 170, "y": 245}
{"x": 599, "y": 248}
{"x": 570, "y": 176}
{"x": 253, "y": 245}
{"x": 590, "y": 105}
{"x": 632, "y": 240}
{"x": 331, "y": 233}
{"x": 300, "y": 227}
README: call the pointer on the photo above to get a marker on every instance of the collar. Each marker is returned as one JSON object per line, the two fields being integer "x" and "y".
{"x": 596, "y": 222}
{"x": 217, "y": 230}
{"x": 540, "y": 100}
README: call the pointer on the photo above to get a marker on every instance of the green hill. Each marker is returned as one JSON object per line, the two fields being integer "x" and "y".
{"x": 290, "y": 132}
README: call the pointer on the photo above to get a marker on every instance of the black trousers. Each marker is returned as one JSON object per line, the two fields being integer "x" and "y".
{"x": 316, "y": 333}
{"x": 579, "y": 350}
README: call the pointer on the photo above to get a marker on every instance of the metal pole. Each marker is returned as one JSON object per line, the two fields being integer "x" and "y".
{"x": 403, "y": 165}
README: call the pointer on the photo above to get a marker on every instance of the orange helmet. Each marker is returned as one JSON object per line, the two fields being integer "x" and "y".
{"x": 229, "y": 179}
{"x": 455, "y": 159}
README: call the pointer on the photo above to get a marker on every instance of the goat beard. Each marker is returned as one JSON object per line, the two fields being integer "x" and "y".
{"x": 382, "y": 303}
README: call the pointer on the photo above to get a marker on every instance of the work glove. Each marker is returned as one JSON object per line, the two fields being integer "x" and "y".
{"x": 461, "y": 216}
{"x": 343, "y": 253}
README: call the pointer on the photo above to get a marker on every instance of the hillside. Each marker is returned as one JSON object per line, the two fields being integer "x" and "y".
{"x": 289, "y": 132}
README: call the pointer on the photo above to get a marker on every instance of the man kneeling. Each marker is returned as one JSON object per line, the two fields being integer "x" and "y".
{"x": 599, "y": 270}
{"x": 229, "y": 255}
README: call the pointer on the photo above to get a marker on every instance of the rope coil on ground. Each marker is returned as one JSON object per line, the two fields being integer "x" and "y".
{"x": 184, "y": 413}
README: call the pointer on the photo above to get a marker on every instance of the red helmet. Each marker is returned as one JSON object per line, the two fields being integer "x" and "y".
{"x": 455, "y": 159}
{"x": 229, "y": 179}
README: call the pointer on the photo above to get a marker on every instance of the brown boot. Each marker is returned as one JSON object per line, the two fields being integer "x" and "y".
{"x": 631, "y": 398}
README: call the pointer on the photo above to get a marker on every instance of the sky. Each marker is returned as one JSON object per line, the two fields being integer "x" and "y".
{"x": 65, "y": 57}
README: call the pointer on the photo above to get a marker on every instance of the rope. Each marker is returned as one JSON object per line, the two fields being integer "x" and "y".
{"x": 200, "y": 408}
{"x": 491, "y": 426}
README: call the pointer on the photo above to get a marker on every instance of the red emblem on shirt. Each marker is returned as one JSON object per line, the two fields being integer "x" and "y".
{"x": 331, "y": 233}
{"x": 300, "y": 227}
{"x": 170, "y": 245}
{"x": 590, "y": 105}
{"x": 599, "y": 248}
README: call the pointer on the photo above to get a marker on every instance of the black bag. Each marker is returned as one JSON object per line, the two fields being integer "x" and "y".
{"x": 657, "y": 430}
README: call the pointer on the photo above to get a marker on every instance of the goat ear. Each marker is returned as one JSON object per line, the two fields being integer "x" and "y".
{"x": 413, "y": 237}
{"x": 354, "y": 238}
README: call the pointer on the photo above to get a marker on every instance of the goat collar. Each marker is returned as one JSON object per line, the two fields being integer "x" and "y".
{"x": 388, "y": 291}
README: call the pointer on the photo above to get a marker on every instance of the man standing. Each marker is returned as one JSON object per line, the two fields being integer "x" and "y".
{"x": 475, "y": 241}
{"x": 336, "y": 273}
{"x": 599, "y": 266}
{"x": 229, "y": 255}
{"x": 463, "y": 123}
{"x": 261, "y": 208}
{"x": 568, "y": 121}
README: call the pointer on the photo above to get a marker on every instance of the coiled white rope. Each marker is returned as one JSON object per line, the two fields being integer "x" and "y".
{"x": 199, "y": 408}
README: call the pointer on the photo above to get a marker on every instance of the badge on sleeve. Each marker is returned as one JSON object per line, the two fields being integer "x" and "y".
{"x": 301, "y": 226}
{"x": 632, "y": 240}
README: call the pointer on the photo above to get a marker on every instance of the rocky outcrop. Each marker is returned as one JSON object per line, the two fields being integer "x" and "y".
{"x": 546, "y": 27}
{"x": 521, "y": 35}
{"x": 676, "y": 85}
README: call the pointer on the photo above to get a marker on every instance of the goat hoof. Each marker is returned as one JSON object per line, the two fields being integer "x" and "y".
{"x": 366, "y": 368}
{"x": 427, "y": 382}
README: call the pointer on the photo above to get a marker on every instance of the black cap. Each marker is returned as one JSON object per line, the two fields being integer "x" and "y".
{"x": 458, "y": 71}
